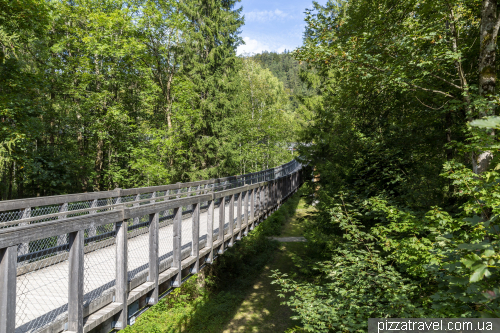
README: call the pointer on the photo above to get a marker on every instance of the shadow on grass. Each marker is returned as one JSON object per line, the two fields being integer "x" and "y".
{"x": 208, "y": 303}
{"x": 234, "y": 275}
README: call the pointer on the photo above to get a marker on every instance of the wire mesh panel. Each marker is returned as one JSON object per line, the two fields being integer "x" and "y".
{"x": 42, "y": 288}
{"x": 203, "y": 223}
{"x": 187, "y": 231}
{"x": 99, "y": 261}
{"x": 138, "y": 246}
{"x": 165, "y": 236}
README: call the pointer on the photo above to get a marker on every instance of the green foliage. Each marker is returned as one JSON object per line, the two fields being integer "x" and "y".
{"x": 407, "y": 221}
{"x": 96, "y": 95}
{"x": 206, "y": 304}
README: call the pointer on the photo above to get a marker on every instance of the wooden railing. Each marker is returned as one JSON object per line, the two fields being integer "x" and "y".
{"x": 74, "y": 262}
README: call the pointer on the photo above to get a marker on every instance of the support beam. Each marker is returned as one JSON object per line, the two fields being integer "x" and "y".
{"x": 121, "y": 289}
{"x": 8, "y": 263}
{"x": 153, "y": 256}
{"x": 195, "y": 240}
{"x": 75, "y": 290}
{"x": 177, "y": 260}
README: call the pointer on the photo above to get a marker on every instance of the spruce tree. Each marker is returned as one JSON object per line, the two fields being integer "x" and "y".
{"x": 212, "y": 65}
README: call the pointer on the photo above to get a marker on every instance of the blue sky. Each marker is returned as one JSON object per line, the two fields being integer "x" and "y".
{"x": 273, "y": 25}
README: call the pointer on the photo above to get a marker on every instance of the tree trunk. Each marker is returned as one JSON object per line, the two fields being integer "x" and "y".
{"x": 98, "y": 163}
{"x": 487, "y": 72}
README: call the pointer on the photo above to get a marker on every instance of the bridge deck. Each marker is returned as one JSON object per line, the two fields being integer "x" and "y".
{"x": 43, "y": 293}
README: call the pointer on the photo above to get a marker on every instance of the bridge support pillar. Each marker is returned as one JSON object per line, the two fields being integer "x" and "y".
{"x": 8, "y": 263}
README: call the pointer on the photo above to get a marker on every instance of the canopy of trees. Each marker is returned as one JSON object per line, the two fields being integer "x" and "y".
{"x": 102, "y": 94}
{"x": 408, "y": 169}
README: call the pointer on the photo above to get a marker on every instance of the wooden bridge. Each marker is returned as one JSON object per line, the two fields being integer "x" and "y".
{"x": 83, "y": 261}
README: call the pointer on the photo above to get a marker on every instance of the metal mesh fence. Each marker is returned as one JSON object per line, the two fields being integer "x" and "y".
{"x": 99, "y": 261}
{"x": 42, "y": 282}
{"x": 187, "y": 231}
{"x": 165, "y": 236}
{"x": 138, "y": 246}
{"x": 42, "y": 289}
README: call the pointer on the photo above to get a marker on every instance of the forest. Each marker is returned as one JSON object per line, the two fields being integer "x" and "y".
{"x": 96, "y": 95}
{"x": 392, "y": 104}
{"x": 403, "y": 141}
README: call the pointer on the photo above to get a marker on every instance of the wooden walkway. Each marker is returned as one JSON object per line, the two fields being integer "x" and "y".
{"x": 88, "y": 261}
{"x": 44, "y": 293}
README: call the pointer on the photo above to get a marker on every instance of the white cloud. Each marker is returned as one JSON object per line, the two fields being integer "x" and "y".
{"x": 266, "y": 15}
{"x": 253, "y": 46}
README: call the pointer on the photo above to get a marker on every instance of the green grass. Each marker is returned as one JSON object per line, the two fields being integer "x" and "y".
{"x": 235, "y": 293}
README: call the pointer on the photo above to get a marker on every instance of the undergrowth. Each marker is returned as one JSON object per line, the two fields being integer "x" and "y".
{"x": 208, "y": 301}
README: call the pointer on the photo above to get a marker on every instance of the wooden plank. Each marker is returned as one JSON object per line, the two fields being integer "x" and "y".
{"x": 141, "y": 190}
{"x": 226, "y": 193}
{"x": 8, "y": 262}
{"x": 177, "y": 243}
{"x": 153, "y": 256}
{"x": 54, "y": 200}
{"x": 27, "y": 233}
{"x": 121, "y": 289}
{"x": 131, "y": 212}
{"x": 195, "y": 240}
{"x": 75, "y": 290}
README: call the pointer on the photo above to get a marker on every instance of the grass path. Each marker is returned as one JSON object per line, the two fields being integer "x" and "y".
{"x": 261, "y": 310}
{"x": 235, "y": 294}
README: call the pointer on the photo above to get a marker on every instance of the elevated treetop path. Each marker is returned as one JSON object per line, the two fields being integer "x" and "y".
{"x": 77, "y": 262}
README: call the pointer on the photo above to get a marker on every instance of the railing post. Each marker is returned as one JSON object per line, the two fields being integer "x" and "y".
{"x": 121, "y": 289}
{"x": 231, "y": 220}
{"x": 267, "y": 195}
{"x": 210, "y": 231}
{"x": 195, "y": 241}
{"x": 137, "y": 198}
{"x": 93, "y": 230}
{"x": 154, "y": 227}
{"x": 177, "y": 233}
{"x": 252, "y": 208}
{"x": 222, "y": 221}
{"x": 8, "y": 266}
{"x": 62, "y": 239}
{"x": 245, "y": 204}
{"x": 75, "y": 290}
{"x": 24, "y": 248}
{"x": 258, "y": 206}
{"x": 238, "y": 218}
